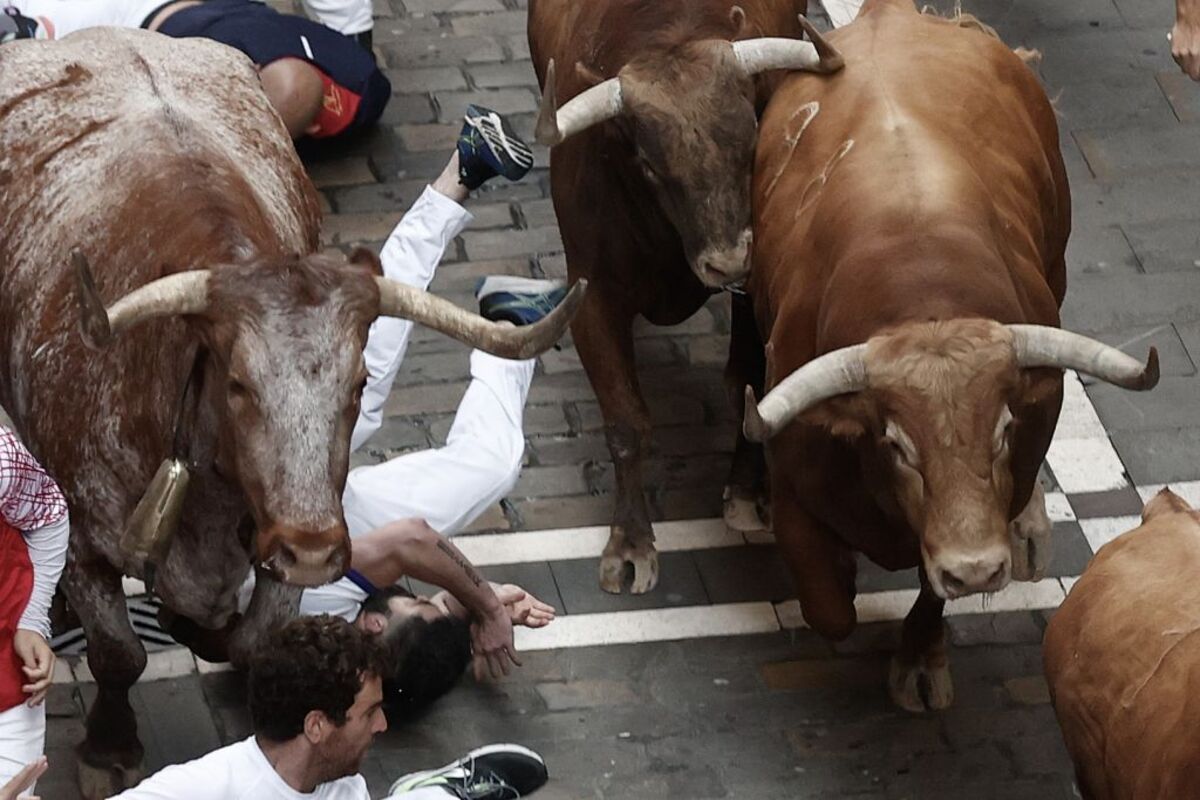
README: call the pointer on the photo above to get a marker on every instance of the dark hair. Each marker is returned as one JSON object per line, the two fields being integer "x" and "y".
{"x": 424, "y": 659}
{"x": 311, "y": 664}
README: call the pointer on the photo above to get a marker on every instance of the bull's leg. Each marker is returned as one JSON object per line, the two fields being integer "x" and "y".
{"x": 110, "y": 757}
{"x": 1031, "y": 538}
{"x": 273, "y": 604}
{"x": 919, "y": 676}
{"x": 823, "y": 568}
{"x": 745, "y": 492}
{"x": 604, "y": 339}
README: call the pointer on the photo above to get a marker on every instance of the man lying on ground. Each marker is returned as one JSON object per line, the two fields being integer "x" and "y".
{"x": 316, "y": 705}
{"x": 321, "y": 82}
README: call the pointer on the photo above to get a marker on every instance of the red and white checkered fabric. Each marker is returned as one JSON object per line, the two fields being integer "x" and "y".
{"x": 29, "y": 498}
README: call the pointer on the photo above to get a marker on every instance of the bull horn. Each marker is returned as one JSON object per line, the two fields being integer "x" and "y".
{"x": 181, "y": 293}
{"x": 401, "y": 300}
{"x": 760, "y": 55}
{"x": 1042, "y": 346}
{"x": 840, "y": 372}
{"x": 588, "y": 108}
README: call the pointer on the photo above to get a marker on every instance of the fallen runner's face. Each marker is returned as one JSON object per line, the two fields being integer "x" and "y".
{"x": 399, "y": 610}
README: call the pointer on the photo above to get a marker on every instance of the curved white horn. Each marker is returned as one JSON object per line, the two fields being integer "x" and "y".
{"x": 588, "y": 108}
{"x": 1042, "y": 346}
{"x": 181, "y": 293}
{"x": 401, "y": 300}
{"x": 760, "y": 55}
{"x": 839, "y": 372}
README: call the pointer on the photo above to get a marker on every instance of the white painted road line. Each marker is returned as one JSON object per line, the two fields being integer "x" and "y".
{"x": 1188, "y": 490}
{"x": 1103, "y": 530}
{"x": 563, "y": 544}
{"x": 1081, "y": 455}
{"x": 650, "y": 625}
{"x": 667, "y": 625}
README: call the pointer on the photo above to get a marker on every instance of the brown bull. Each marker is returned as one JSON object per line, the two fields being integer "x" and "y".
{"x": 1123, "y": 660}
{"x": 186, "y": 196}
{"x": 911, "y": 218}
{"x": 651, "y": 185}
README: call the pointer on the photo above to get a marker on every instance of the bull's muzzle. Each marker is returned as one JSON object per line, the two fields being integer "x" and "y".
{"x": 306, "y": 558}
{"x": 718, "y": 267}
{"x": 955, "y": 575}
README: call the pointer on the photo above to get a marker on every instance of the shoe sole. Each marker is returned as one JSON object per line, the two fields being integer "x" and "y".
{"x": 502, "y": 140}
{"x": 515, "y": 284}
{"x": 476, "y": 753}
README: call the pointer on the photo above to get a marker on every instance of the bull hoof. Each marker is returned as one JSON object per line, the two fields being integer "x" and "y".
{"x": 645, "y": 569}
{"x": 99, "y": 783}
{"x": 919, "y": 688}
{"x": 742, "y": 514}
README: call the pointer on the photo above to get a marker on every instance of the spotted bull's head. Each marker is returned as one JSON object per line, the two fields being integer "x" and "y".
{"x": 689, "y": 114}
{"x": 935, "y": 405}
{"x": 286, "y": 337}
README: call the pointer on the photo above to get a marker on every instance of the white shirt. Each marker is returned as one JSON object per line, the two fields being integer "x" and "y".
{"x": 342, "y": 598}
{"x": 237, "y": 772}
{"x": 58, "y": 18}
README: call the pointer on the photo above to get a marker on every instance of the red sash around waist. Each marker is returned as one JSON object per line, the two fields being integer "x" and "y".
{"x": 16, "y": 584}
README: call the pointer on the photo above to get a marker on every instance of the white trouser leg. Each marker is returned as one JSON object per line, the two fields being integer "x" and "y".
{"x": 450, "y": 486}
{"x": 410, "y": 255}
{"x": 344, "y": 16}
{"x": 22, "y": 739}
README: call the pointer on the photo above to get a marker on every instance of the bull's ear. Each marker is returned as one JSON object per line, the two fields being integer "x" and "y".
{"x": 737, "y": 18}
{"x": 845, "y": 417}
{"x": 1038, "y": 385}
{"x": 1165, "y": 502}
{"x": 365, "y": 258}
{"x": 588, "y": 75}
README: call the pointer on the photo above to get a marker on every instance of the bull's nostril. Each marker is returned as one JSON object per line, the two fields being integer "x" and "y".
{"x": 952, "y": 583}
{"x": 283, "y": 558}
{"x": 997, "y": 577}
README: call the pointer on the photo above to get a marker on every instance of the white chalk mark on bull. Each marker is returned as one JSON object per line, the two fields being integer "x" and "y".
{"x": 813, "y": 190}
{"x": 792, "y": 138}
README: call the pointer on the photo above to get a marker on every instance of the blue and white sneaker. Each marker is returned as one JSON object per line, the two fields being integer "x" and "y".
{"x": 521, "y": 301}
{"x": 487, "y": 147}
{"x": 494, "y": 772}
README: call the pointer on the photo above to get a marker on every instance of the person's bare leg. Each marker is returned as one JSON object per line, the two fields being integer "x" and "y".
{"x": 295, "y": 90}
{"x": 448, "y": 183}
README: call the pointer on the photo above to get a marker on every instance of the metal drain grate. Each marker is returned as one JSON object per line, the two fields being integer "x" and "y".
{"x": 143, "y": 613}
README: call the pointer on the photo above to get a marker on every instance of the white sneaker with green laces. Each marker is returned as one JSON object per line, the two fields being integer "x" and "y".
{"x": 494, "y": 772}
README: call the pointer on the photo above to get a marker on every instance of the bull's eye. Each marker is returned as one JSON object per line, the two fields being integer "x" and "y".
{"x": 897, "y": 450}
{"x": 648, "y": 172}
{"x": 901, "y": 447}
{"x": 239, "y": 390}
{"x": 1002, "y": 437}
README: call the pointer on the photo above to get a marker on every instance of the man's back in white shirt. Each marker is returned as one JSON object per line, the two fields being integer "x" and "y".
{"x": 237, "y": 772}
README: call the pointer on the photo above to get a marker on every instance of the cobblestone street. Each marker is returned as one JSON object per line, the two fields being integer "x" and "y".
{"x": 710, "y": 687}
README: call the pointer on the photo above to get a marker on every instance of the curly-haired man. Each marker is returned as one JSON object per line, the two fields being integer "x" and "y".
{"x": 316, "y": 704}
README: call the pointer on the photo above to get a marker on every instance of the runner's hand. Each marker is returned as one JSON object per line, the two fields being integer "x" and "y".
{"x": 492, "y": 645}
{"x": 1185, "y": 46}
{"x": 38, "y": 664}
{"x": 524, "y": 608}
{"x": 24, "y": 779}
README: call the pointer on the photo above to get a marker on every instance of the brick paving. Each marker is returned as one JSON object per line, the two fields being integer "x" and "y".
{"x": 776, "y": 715}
